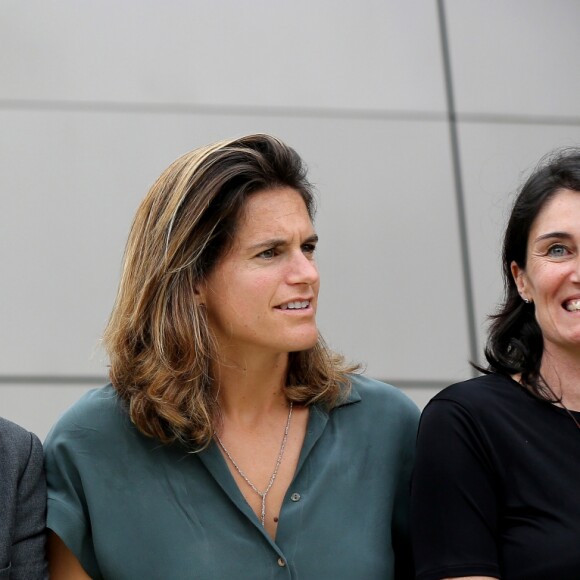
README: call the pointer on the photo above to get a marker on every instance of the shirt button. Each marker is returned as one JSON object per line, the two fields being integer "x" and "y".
{"x": 281, "y": 562}
{"x": 295, "y": 497}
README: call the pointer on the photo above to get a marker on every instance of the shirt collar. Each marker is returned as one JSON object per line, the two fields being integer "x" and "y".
{"x": 352, "y": 397}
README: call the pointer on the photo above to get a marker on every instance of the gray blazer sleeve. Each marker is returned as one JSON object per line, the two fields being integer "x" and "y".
{"x": 22, "y": 505}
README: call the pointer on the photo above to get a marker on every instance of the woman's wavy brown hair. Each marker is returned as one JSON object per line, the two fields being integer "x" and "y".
{"x": 159, "y": 343}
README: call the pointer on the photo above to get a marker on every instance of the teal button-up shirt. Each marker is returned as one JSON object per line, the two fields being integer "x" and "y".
{"x": 131, "y": 508}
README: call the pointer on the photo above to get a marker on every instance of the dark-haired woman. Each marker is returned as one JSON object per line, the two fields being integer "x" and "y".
{"x": 231, "y": 443}
{"x": 495, "y": 490}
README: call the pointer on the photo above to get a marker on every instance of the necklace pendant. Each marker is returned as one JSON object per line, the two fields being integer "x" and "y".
{"x": 262, "y": 494}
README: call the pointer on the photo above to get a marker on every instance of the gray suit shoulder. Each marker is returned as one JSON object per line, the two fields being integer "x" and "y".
{"x": 22, "y": 503}
{"x": 18, "y": 443}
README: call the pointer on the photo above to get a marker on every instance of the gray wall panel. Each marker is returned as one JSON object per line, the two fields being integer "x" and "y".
{"x": 392, "y": 288}
{"x": 37, "y": 407}
{"x": 515, "y": 58}
{"x": 371, "y": 54}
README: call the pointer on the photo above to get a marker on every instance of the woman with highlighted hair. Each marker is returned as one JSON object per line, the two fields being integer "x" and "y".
{"x": 231, "y": 442}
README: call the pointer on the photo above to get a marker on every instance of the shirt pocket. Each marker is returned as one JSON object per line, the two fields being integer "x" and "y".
{"x": 5, "y": 572}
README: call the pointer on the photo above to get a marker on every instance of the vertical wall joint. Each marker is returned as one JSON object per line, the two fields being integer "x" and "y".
{"x": 458, "y": 183}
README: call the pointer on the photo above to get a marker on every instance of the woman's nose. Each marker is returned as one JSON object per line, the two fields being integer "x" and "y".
{"x": 576, "y": 271}
{"x": 303, "y": 270}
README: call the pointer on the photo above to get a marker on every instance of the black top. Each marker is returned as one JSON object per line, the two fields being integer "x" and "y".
{"x": 496, "y": 489}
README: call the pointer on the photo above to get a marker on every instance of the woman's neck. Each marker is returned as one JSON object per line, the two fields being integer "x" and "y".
{"x": 561, "y": 371}
{"x": 251, "y": 389}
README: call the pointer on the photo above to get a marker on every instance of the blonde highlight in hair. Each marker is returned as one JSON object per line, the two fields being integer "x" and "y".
{"x": 158, "y": 339}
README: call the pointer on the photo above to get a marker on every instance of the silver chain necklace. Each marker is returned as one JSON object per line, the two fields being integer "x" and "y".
{"x": 262, "y": 494}
{"x": 570, "y": 413}
{"x": 560, "y": 401}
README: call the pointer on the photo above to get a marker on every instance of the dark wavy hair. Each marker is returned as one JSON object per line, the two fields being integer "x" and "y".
{"x": 515, "y": 343}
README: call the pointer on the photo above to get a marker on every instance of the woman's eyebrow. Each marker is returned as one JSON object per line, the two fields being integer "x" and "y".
{"x": 271, "y": 243}
{"x": 550, "y": 235}
{"x": 277, "y": 242}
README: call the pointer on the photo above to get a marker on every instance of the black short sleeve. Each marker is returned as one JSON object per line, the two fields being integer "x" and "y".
{"x": 454, "y": 496}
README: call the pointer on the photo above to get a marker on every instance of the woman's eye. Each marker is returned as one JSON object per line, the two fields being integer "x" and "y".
{"x": 267, "y": 254}
{"x": 557, "y": 251}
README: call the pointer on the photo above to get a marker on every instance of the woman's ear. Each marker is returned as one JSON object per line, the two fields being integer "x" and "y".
{"x": 199, "y": 294}
{"x": 519, "y": 275}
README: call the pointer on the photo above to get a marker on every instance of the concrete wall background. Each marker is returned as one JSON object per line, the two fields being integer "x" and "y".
{"x": 418, "y": 121}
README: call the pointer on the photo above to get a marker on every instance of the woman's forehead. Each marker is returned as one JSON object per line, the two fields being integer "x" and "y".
{"x": 274, "y": 209}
